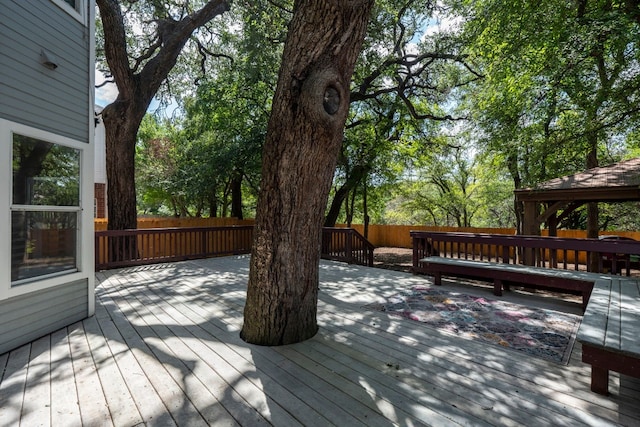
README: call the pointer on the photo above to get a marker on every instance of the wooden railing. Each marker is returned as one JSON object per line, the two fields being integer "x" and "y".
{"x": 122, "y": 248}
{"x": 347, "y": 245}
{"x": 610, "y": 256}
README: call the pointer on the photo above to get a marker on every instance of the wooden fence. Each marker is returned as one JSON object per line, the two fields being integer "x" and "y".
{"x": 100, "y": 224}
{"x": 398, "y": 236}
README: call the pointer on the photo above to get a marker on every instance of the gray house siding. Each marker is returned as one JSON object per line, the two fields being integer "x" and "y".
{"x": 52, "y": 100}
{"x": 59, "y": 102}
{"x": 28, "y": 317}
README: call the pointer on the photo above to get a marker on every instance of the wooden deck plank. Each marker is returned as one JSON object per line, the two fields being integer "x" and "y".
{"x": 12, "y": 388}
{"x": 371, "y": 420}
{"x": 37, "y": 402}
{"x": 324, "y": 372}
{"x": 471, "y": 361}
{"x": 64, "y": 398}
{"x": 237, "y": 392}
{"x": 360, "y": 412}
{"x": 150, "y": 407}
{"x": 234, "y": 358}
{"x": 276, "y": 374}
{"x": 94, "y": 409}
{"x": 511, "y": 396}
{"x": 182, "y": 343}
{"x": 529, "y": 370}
{"x": 184, "y": 396}
{"x": 543, "y": 362}
{"x": 119, "y": 400}
{"x": 167, "y": 336}
{"x": 424, "y": 412}
{"x": 577, "y": 375}
{"x": 591, "y": 330}
{"x": 435, "y": 391}
{"x": 613, "y": 334}
{"x": 399, "y": 405}
{"x": 630, "y": 317}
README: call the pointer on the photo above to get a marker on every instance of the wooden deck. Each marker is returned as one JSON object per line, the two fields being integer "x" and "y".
{"x": 164, "y": 349}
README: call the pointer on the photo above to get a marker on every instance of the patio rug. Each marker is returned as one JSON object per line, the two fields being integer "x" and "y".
{"x": 542, "y": 333}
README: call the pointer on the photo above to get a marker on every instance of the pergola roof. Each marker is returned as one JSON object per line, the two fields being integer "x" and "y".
{"x": 616, "y": 182}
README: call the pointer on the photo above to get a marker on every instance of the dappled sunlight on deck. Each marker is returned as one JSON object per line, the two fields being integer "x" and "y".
{"x": 164, "y": 349}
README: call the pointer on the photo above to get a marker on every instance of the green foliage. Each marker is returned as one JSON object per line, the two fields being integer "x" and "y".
{"x": 542, "y": 86}
{"x": 452, "y": 189}
{"x": 561, "y": 84}
{"x": 219, "y": 138}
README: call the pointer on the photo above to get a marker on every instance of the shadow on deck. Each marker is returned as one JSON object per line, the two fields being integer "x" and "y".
{"x": 164, "y": 349}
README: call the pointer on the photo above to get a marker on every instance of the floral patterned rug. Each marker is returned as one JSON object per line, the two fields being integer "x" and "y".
{"x": 543, "y": 333}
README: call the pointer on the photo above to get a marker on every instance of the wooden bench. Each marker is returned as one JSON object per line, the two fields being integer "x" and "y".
{"x": 610, "y": 329}
{"x": 502, "y": 275}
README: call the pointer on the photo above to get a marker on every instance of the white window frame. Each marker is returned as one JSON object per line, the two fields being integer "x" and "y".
{"x": 79, "y": 13}
{"x": 84, "y": 242}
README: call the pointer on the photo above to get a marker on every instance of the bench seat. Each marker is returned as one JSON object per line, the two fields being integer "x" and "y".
{"x": 609, "y": 331}
{"x": 502, "y": 274}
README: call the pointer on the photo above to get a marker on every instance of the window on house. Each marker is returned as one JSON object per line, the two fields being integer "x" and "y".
{"x": 75, "y": 8}
{"x": 45, "y": 208}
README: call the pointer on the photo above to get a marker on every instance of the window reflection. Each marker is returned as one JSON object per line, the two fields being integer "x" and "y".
{"x": 45, "y": 208}
{"x": 44, "y": 173}
{"x": 43, "y": 243}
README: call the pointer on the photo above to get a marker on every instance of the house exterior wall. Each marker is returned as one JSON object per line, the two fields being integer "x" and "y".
{"x": 44, "y": 312}
{"x": 100, "y": 167}
{"x": 32, "y": 94}
{"x": 55, "y": 104}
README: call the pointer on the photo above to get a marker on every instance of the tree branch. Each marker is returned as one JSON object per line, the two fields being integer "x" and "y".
{"x": 115, "y": 46}
{"x": 156, "y": 70}
{"x": 204, "y": 53}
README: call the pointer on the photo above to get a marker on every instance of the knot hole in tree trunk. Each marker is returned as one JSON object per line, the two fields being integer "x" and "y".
{"x": 331, "y": 100}
{"x": 325, "y": 99}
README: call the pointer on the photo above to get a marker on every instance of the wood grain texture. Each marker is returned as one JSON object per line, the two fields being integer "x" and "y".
{"x": 165, "y": 345}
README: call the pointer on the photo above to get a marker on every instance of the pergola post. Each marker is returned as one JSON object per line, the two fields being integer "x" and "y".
{"x": 552, "y": 225}
{"x": 530, "y": 227}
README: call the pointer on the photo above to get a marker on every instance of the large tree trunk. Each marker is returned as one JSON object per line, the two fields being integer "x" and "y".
{"x": 303, "y": 141}
{"x": 136, "y": 89}
{"x": 121, "y": 129}
{"x": 353, "y": 179}
{"x": 518, "y": 207}
{"x": 236, "y": 195}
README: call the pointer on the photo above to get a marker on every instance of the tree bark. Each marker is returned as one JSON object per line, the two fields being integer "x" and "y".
{"x": 303, "y": 140}
{"x": 355, "y": 177}
{"x": 236, "y": 195}
{"x": 136, "y": 90}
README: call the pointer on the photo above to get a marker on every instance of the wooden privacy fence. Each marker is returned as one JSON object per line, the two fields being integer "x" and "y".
{"x": 100, "y": 224}
{"x": 121, "y": 248}
{"x": 391, "y": 235}
{"x": 398, "y": 236}
{"x": 615, "y": 256}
